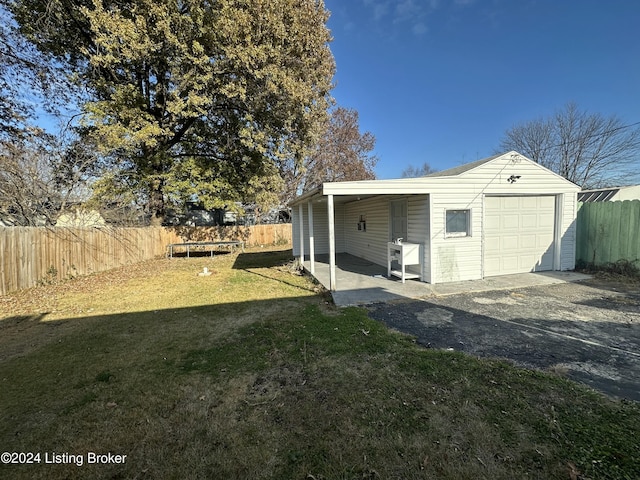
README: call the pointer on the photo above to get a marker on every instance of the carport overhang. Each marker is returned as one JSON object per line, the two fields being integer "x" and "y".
{"x": 335, "y": 193}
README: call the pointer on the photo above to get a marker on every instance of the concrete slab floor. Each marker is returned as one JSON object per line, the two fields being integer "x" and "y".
{"x": 360, "y": 282}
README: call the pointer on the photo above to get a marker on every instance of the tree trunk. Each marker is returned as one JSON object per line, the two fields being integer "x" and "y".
{"x": 156, "y": 203}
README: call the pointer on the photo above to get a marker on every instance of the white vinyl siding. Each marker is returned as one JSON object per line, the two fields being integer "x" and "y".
{"x": 428, "y": 199}
{"x": 372, "y": 243}
{"x": 455, "y": 258}
{"x": 320, "y": 228}
{"x": 418, "y": 230}
{"x": 488, "y": 179}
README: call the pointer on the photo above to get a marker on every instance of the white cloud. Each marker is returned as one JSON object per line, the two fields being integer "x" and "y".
{"x": 380, "y": 10}
{"x": 411, "y": 15}
{"x": 419, "y": 29}
{"x": 407, "y": 9}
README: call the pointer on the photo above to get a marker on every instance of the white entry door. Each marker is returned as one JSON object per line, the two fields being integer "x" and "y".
{"x": 398, "y": 220}
{"x": 518, "y": 234}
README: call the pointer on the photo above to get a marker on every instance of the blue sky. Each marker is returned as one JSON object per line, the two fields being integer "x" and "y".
{"x": 440, "y": 81}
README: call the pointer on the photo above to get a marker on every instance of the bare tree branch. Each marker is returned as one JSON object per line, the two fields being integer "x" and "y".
{"x": 343, "y": 153}
{"x": 589, "y": 149}
{"x": 415, "y": 172}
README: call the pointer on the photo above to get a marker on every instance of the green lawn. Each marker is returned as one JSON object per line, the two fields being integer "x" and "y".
{"x": 252, "y": 373}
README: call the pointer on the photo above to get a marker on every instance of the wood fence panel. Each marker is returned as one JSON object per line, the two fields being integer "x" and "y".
{"x": 608, "y": 232}
{"x": 31, "y": 255}
{"x": 621, "y": 248}
{"x": 633, "y": 245}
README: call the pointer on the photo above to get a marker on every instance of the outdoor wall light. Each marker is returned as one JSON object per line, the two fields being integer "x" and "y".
{"x": 513, "y": 178}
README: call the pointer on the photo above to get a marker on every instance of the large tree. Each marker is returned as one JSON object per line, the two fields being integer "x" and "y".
{"x": 41, "y": 176}
{"x": 342, "y": 153}
{"x": 192, "y": 98}
{"x": 589, "y": 149}
{"x": 26, "y": 77}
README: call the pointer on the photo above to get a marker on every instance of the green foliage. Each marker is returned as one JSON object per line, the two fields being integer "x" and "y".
{"x": 347, "y": 377}
{"x": 26, "y": 77}
{"x": 193, "y": 98}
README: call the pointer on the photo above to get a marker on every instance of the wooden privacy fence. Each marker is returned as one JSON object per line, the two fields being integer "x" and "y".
{"x": 278, "y": 234}
{"x": 30, "y": 255}
{"x": 608, "y": 232}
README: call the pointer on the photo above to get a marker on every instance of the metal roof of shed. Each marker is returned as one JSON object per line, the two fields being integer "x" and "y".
{"x": 603, "y": 195}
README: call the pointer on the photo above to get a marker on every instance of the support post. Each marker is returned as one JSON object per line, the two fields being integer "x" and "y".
{"x": 312, "y": 266}
{"x": 301, "y": 230}
{"x": 332, "y": 245}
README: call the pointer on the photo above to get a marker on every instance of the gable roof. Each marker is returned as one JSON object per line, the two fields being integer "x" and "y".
{"x": 497, "y": 175}
{"x": 452, "y": 172}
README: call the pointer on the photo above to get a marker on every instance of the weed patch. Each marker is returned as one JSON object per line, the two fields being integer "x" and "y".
{"x": 621, "y": 270}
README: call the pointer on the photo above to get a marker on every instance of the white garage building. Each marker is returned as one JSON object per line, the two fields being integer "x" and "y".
{"x": 500, "y": 215}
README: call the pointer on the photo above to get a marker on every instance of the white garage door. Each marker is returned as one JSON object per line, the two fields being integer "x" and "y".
{"x": 518, "y": 234}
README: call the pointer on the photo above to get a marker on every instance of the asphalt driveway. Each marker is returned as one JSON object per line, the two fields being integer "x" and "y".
{"x": 588, "y": 331}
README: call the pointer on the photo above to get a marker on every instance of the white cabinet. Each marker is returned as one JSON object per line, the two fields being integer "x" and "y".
{"x": 405, "y": 254}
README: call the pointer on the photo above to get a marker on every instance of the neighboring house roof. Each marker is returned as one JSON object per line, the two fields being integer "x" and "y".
{"x": 597, "y": 195}
{"x": 81, "y": 218}
{"x": 631, "y": 192}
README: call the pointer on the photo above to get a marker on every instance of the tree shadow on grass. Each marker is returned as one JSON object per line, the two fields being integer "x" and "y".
{"x": 214, "y": 381}
{"x": 269, "y": 259}
{"x": 279, "y": 259}
{"x": 599, "y": 354}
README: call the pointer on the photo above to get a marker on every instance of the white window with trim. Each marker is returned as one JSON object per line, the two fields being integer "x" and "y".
{"x": 457, "y": 223}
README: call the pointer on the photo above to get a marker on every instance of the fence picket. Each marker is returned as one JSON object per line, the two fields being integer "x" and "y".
{"x": 608, "y": 232}
{"x": 29, "y": 255}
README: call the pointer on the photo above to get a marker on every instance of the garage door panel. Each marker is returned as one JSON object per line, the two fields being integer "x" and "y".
{"x": 492, "y": 221}
{"x": 510, "y": 221}
{"x": 528, "y": 242}
{"x": 529, "y": 221}
{"x": 544, "y": 241}
{"x": 507, "y": 243}
{"x": 526, "y": 261}
{"x": 547, "y": 221}
{"x": 530, "y": 203}
{"x": 519, "y": 234}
